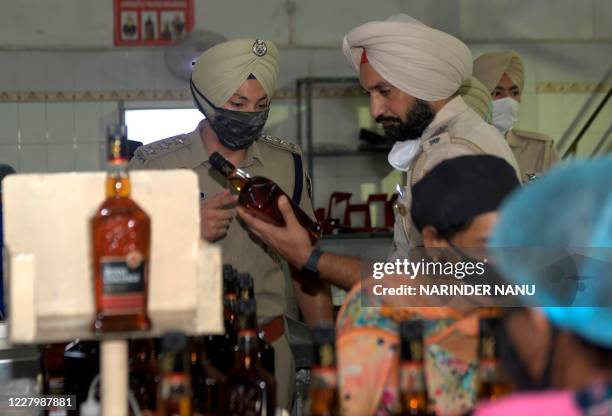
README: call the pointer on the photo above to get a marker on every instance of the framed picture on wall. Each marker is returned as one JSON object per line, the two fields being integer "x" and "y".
{"x": 151, "y": 22}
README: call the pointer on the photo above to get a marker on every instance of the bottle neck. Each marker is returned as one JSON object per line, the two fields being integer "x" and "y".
{"x": 246, "y": 357}
{"x": 238, "y": 179}
{"x": 117, "y": 181}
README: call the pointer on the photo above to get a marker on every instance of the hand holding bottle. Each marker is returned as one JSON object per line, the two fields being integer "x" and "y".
{"x": 217, "y": 213}
{"x": 291, "y": 241}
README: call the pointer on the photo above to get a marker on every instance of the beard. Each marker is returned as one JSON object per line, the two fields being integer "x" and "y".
{"x": 417, "y": 120}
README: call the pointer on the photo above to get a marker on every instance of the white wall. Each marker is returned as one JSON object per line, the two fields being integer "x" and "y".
{"x": 67, "y": 45}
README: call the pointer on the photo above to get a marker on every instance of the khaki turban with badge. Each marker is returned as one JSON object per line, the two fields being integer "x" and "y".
{"x": 421, "y": 61}
{"x": 477, "y": 97}
{"x": 222, "y": 69}
{"x": 490, "y": 67}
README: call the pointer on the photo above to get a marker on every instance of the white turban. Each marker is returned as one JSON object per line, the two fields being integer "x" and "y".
{"x": 423, "y": 62}
{"x": 222, "y": 69}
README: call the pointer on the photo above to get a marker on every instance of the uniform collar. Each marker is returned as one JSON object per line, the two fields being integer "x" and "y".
{"x": 447, "y": 114}
{"x": 512, "y": 139}
{"x": 199, "y": 154}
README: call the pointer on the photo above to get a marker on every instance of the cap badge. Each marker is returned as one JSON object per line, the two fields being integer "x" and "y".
{"x": 260, "y": 48}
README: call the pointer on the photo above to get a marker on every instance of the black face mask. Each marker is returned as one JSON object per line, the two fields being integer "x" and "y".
{"x": 417, "y": 120}
{"x": 234, "y": 129}
{"x": 512, "y": 363}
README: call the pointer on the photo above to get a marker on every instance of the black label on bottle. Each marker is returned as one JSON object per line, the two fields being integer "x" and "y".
{"x": 118, "y": 277}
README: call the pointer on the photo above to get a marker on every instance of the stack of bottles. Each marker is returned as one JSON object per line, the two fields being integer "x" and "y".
{"x": 179, "y": 375}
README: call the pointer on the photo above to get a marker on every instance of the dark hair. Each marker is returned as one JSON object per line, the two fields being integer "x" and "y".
{"x": 449, "y": 233}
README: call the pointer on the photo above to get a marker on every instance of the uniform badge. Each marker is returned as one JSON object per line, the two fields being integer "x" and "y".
{"x": 260, "y": 48}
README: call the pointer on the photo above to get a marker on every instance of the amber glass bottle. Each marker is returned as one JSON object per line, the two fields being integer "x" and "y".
{"x": 412, "y": 385}
{"x": 323, "y": 395}
{"x": 248, "y": 389}
{"x": 260, "y": 196}
{"x": 174, "y": 393}
{"x": 206, "y": 380}
{"x": 144, "y": 372}
{"x": 121, "y": 233}
{"x": 54, "y": 374}
{"x": 493, "y": 380}
{"x": 246, "y": 291}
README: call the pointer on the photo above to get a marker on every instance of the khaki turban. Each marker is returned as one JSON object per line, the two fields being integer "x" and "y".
{"x": 477, "y": 97}
{"x": 490, "y": 67}
{"x": 222, "y": 69}
{"x": 423, "y": 62}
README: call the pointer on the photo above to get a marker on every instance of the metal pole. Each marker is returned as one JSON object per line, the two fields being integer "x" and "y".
{"x": 114, "y": 377}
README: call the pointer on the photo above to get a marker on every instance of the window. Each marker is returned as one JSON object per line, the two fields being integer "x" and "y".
{"x": 149, "y": 125}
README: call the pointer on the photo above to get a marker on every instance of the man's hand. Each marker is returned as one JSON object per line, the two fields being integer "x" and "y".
{"x": 217, "y": 213}
{"x": 291, "y": 241}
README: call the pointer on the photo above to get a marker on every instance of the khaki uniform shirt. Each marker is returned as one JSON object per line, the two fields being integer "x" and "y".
{"x": 455, "y": 131}
{"x": 269, "y": 157}
{"x": 534, "y": 152}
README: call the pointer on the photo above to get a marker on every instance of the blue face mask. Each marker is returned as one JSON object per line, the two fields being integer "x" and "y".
{"x": 234, "y": 129}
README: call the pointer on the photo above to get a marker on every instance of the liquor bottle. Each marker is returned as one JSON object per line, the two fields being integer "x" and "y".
{"x": 323, "y": 395}
{"x": 493, "y": 380}
{"x": 54, "y": 374}
{"x": 174, "y": 393}
{"x": 205, "y": 378}
{"x": 144, "y": 372}
{"x": 248, "y": 389}
{"x": 260, "y": 196}
{"x": 246, "y": 291}
{"x": 82, "y": 364}
{"x": 412, "y": 384}
{"x": 220, "y": 348}
{"x": 121, "y": 233}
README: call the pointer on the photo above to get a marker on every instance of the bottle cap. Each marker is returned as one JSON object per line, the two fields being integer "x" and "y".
{"x": 174, "y": 342}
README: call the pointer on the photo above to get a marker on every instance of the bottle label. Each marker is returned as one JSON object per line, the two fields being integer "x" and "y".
{"x": 123, "y": 283}
{"x": 412, "y": 377}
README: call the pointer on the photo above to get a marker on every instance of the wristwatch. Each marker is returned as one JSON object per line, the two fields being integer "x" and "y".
{"x": 310, "y": 269}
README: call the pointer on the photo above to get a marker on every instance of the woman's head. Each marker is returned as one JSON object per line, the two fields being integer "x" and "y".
{"x": 456, "y": 202}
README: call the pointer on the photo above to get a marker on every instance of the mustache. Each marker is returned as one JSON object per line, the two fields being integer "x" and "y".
{"x": 381, "y": 119}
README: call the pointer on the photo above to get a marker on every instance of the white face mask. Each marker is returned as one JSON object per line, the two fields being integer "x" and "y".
{"x": 505, "y": 113}
{"x": 402, "y": 153}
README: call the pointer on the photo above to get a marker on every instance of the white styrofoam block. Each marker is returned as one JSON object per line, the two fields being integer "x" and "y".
{"x": 47, "y": 240}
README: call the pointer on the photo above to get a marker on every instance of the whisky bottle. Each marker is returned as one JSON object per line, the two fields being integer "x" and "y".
{"x": 220, "y": 348}
{"x": 248, "y": 389}
{"x": 246, "y": 291}
{"x": 323, "y": 395}
{"x": 260, "y": 195}
{"x": 205, "y": 378}
{"x": 54, "y": 374}
{"x": 144, "y": 372}
{"x": 412, "y": 384}
{"x": 493, "y": 380}
{"x": 121, "y": 233}
{"x": 174, "y": 394}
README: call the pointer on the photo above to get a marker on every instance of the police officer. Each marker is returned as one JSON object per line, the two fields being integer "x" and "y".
{"x": 503, "y": 75}
{"x": 232, "y": 84}
{"x": 412, "y": 74}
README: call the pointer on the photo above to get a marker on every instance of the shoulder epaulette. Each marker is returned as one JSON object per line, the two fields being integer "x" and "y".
{"x": 159, "y": 148}
{"x": 280, "y": 143}
{"x": 532, "y": 135}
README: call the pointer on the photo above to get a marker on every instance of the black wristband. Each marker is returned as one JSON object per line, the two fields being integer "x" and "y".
{"x": 309, "y": 269}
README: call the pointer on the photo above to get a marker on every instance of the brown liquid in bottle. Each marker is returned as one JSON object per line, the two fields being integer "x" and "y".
{"x": 323, "y": 394}
{"x": 174, "y": 394}
{"x": 260, "y": 196}
{"x": 121, "y": 233}
{"x": 414, "y": 399}
{"x": 493, "y": 380}
{"x": 248, "y": 389}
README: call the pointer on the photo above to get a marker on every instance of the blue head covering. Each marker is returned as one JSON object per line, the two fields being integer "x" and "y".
{"x": 571, "y": 208}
